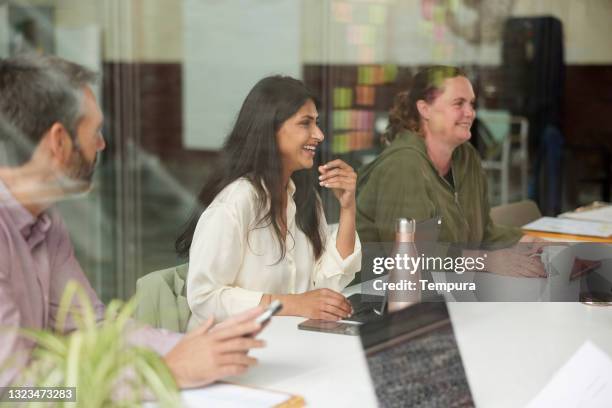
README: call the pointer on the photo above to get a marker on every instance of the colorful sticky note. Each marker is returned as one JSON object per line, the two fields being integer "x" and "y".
{"x": 342, "y": 97}
{"x": 340, "y": 143}
{"x": 364, "y": 75}
{"x": 365, "y": 95}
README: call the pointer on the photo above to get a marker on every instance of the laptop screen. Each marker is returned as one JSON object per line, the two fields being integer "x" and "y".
{"x": 414, "y": 359}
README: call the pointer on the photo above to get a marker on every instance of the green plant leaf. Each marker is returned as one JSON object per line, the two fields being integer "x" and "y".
{"x": 96, "y": 358}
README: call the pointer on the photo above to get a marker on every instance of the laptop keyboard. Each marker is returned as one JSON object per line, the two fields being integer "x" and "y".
{"x": 424, "y": 372}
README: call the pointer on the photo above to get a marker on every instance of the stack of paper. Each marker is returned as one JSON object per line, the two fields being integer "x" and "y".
{"x": 571, "y": 227}
{"x": 584, "y": 381}
{"x": 602, "y": 214}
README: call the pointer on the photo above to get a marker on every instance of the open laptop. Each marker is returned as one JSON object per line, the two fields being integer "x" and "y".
{"x": 414, "y": 360}
{"x": 368, "y": 307}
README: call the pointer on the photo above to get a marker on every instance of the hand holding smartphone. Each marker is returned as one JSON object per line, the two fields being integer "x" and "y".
{"x": 272, "y": 309}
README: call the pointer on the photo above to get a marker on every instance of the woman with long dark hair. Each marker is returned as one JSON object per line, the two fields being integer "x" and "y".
{"x": 260, "y": 233}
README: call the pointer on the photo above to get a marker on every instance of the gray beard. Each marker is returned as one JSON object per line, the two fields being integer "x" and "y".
{"x": 80, "y": 174}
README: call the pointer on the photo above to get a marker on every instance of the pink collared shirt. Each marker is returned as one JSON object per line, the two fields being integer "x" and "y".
{"x": 36, "y": 262}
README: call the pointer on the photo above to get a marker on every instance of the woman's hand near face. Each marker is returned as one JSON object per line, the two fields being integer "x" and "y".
{"x": 341, "y": 179}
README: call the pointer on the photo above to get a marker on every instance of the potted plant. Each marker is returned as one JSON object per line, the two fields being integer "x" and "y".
{"x": 96, "y": 359}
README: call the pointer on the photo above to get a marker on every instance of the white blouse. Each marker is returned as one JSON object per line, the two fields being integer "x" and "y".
{"x": 232, "y": 263}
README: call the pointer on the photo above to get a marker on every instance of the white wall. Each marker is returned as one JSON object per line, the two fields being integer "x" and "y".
{"x": 230, "y": 45}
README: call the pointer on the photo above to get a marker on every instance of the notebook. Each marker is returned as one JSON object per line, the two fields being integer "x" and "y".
{"x": 228, "y": 395}
{"x": 571, "y": 227}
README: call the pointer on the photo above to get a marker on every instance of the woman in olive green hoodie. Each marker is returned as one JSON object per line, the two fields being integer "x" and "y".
{"x": 429, "y": 170}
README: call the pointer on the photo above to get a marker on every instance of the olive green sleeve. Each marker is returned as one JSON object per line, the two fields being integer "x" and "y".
{"x": 501, "y": 234}
{"x": 396, "y": 188}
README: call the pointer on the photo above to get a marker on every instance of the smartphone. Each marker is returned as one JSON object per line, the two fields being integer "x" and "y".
{"x": 272, "y": 309}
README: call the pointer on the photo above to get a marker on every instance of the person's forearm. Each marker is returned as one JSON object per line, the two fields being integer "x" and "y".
{"x": 345, "y": 240}
{"x": 290, "y": 306}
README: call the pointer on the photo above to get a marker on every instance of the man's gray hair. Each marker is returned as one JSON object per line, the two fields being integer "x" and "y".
{"x": 38, "y": 91}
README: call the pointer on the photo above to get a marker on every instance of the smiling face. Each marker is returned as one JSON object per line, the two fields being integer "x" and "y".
{"x": 449, "y": 117}
{"x": 298, "y": 138}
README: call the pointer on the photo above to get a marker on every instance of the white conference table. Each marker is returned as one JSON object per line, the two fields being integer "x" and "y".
{"x": 510, "y": 351}
{"x": 327, "y": 370}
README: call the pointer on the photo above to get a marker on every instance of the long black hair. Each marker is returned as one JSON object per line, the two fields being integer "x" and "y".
{"x": 251, "y": 151}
